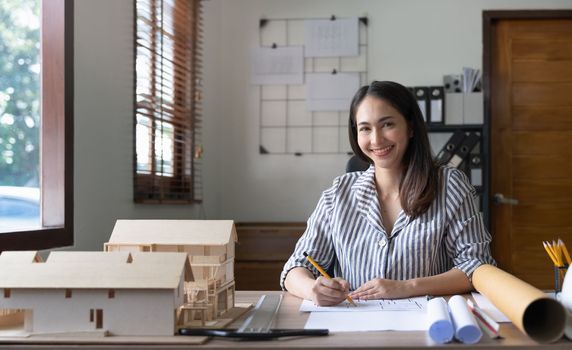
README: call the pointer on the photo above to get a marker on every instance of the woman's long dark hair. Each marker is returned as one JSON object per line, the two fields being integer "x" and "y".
{"x": 419, "y": 183}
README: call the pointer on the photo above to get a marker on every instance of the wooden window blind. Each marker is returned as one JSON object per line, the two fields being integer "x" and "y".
{"x": 168, "y": 114}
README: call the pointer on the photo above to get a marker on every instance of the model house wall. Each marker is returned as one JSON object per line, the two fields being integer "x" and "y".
{"x": 95, "y": 291}
{"x": 129, "y": 312}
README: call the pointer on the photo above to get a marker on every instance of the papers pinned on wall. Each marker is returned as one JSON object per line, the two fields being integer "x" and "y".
{"x": 277, "y": 66}
{"x": 332, "y": 37}
{"x": 330, "y": 92}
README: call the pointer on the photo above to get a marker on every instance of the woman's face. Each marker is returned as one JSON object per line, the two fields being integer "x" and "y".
{"x": 383, "y": 133}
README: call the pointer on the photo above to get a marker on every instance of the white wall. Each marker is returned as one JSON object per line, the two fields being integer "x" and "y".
{"x": 414, "y": 42}
{"x": 104, "y": 125}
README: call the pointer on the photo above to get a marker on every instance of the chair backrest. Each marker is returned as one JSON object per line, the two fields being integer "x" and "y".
{"x": 356, "y": 164}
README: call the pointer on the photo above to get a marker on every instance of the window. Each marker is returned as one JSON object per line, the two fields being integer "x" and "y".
{"x": 167, "y": 101}
{"x": 55, "y": 195}
{"x": 19, "y": 114}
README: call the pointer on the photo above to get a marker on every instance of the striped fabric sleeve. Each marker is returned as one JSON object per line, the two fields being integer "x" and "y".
{"x": 468, "y": 241}
{"x": 316, "y": 240}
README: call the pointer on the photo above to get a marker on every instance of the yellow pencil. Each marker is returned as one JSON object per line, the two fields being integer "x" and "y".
{"x": 558, "y": 253}
{"x": 552, "y": 257}
{"x": 554, "y": 253}
{"x": 325, "y": 274}
{"x": 558, "y": 250}
{"x": 565, "y": 250}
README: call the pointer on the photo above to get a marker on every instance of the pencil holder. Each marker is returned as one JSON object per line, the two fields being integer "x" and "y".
{"x": 559, "y": 273}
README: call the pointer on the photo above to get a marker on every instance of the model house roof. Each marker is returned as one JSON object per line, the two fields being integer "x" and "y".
{"x": 173, "y": 232}
{"x": 18, "y": 257}
{"x": 96, "y": 270}
{"x": 88, "y": 257}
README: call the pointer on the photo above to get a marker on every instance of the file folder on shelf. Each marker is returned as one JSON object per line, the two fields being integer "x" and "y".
{"x": 453, "y": 83}
{"x": 422, "y": 97}
{"x": 454, "y": 108}
{"x": 454, "y": 142}
{"x": 463, "y": 151}
{"x": 476, "y": 170}
{"x": 437, "y": 104}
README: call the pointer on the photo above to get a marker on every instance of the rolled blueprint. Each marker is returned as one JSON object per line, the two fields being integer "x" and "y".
{"x": 530, "y": 310}
{"x": 440, "y": 324}
{"x": 466, "y": 328}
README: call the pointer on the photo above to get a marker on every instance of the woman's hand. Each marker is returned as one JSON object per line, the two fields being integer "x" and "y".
{"x": 327, "y": 292}
{"x": 379, "y": 288}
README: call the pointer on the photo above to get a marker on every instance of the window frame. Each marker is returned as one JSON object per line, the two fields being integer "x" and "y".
{"x": 56, "y": 157}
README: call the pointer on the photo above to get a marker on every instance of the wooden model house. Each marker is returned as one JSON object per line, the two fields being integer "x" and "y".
{"x": 114, "y": 293}
{"x": 210, "y": 247}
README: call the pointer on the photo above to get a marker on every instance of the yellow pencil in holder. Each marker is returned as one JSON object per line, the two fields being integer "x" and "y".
{"x": 565, "y": 251}
{"x": 550, "y": 253}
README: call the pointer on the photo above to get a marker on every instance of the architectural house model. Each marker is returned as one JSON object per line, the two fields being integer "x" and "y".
{"x": 116, "y": 293}
{"x": 210, "y": 248}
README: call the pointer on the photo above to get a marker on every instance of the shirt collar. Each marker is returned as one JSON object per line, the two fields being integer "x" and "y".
{"x": 368, "y": 202}
{"x": 366, "y": 196}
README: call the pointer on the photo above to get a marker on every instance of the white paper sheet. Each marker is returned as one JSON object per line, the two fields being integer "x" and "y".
{"x": 327, "y": 38}
{"x": 488, "y": 307}
{"x": 368, "y": 321}
{"x": 408, "y": 304}
{"x": 282, "y": 65}
{"x": 330, "y": 92}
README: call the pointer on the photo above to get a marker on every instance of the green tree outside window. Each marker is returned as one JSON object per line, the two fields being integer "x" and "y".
{"x": 19, "y": 92}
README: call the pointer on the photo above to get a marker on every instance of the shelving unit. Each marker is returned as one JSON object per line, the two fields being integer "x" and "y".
{"x": 483, "y": 149}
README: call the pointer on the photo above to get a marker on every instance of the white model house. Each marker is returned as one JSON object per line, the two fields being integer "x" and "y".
{"x": 210, "y": 247}
{"x": 119, "y": 293}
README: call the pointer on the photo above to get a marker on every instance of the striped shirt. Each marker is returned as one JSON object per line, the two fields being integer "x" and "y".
{"x": 346, "y": 236}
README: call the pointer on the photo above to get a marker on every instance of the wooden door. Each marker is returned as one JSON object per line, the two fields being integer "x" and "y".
{"x": 530, "y": 141}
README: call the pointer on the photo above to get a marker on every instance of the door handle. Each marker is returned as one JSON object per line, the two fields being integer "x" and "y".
{"x": 499, "y": 198}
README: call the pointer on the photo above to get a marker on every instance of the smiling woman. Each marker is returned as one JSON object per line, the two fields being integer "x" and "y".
{"x": 406, "y": 226}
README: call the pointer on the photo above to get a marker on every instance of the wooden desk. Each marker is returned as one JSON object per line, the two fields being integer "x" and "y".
{"x": 290, "y": 317}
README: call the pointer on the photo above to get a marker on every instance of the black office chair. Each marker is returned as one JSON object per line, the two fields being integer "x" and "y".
{"x": 355, "y": 163}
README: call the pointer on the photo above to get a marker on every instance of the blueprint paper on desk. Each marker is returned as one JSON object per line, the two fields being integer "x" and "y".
{"x": 488, "y": 307}
{"x": 407, "y": 304}
{"x": 368, "y": 321}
